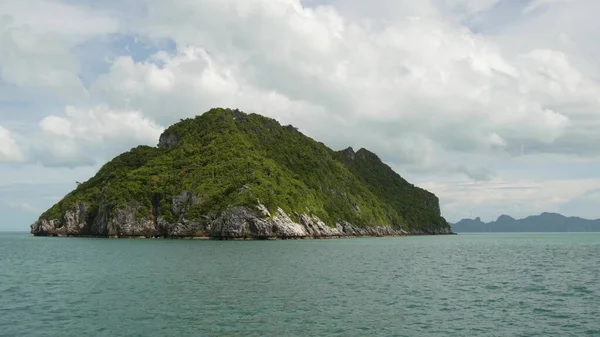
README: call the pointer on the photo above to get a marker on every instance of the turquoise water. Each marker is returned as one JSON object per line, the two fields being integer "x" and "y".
{"x": 465, "y": 285}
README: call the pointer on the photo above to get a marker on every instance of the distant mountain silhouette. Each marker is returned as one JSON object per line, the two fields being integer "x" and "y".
{"x": 545, "y": 222}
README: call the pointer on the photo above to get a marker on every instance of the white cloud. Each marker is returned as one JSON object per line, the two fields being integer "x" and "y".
{"x": 471, "y": 6}
{"x": 518, "y": 197}
{"x": 424, "y": 80}
{"x": 9, "y": 149}
{"x": 536, "y": 4}
{"x": 84, "y": 135}
{"x": 28, "y": 59}
{"x": 73, "y": 22}
{"x": 99, "y": 124}
{"x": 37, "y": 38}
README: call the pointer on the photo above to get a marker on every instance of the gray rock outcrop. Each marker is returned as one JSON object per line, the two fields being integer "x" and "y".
{"x": 168, "y": 141}
{"x": 235, "y": 223}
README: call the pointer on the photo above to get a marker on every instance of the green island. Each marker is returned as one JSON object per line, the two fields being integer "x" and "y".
{"x": 230, "y": 175}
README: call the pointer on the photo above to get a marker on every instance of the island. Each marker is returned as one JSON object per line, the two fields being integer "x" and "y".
{"x": 226, "y": 174}
{"x": 544, "y": 222}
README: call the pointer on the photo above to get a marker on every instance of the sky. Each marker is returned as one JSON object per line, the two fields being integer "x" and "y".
{"x": 493, "y": 105}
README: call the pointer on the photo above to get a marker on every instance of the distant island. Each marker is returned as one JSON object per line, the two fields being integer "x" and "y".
{"x": 230, "y": 175}
{"x": 545, "y": 222}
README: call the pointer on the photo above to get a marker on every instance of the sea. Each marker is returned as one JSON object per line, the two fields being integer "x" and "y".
{"x": 521, "y": 284}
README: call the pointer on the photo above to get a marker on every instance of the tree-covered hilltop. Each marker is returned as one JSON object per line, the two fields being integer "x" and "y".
{"x": 230, "y": 174}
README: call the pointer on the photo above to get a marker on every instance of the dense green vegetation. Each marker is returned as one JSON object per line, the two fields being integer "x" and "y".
{"x": 228, "y": 158}
{"x": 417, "y": 205}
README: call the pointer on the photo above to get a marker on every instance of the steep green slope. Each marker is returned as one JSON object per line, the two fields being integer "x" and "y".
{"x": 225, "y": 159}
{"x": 419, "y": 207}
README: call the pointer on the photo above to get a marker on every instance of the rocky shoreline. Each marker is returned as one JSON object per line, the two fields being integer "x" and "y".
{"x": 237, "y": 223}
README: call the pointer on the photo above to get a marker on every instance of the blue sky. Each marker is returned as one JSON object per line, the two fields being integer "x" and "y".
{"x": 494, "y": 105}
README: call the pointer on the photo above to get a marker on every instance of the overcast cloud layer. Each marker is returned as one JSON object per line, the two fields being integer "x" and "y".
{"x": 494, "y": 105}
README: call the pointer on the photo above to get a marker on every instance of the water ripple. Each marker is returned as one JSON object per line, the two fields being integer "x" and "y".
{"x": 470, "y": 285}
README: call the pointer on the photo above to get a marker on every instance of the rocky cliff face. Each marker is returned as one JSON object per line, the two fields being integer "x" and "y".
{"x": 235, "y": 223}
{"x": 168, "y": 141}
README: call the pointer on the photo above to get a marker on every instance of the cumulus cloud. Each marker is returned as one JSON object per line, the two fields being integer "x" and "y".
{"x": 425, "y": 85}
{"x": 72, "y": 22}
{"x": 37, "y": 38}
{"x": 9, "y": 149}
{"x": 536, "y": 4}
{"x": 81, "y": 136}
{"x": 438, "y": 82}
